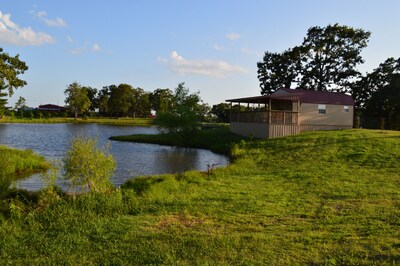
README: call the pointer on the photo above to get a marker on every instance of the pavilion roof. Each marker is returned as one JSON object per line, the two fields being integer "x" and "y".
{"x": 304, "y": 96}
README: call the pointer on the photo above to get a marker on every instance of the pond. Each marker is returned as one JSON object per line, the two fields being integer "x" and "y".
{"x": 133, "y": 159}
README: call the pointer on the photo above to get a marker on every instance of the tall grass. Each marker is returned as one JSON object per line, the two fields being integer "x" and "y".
{"x": 15, "y": 164}
{"x": 315, "y": 198}
{"x": 20, "y": 161}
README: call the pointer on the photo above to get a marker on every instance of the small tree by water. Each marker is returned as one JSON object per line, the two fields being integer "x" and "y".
{"x": 88, "y": 166}
{"x": 183, "y": 116}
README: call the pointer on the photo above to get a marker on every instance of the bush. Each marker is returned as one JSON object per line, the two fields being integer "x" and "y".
{"x": 88, "y": 166}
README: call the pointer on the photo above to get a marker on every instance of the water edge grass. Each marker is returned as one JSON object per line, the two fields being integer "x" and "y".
{"x": 315, "y": 198}
{"x": 99, "y": 120}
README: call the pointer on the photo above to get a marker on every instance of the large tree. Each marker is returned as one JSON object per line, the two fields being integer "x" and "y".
{"x": 384, "y": 105}
{"x": 77, "y": 99}
{"x": 140, "y": 103}
{"x": 10, "y": 69}
{"x": 161, "y": 100}
{"x": 102, "y": 100}
{"x": 120, "y": 99}
{"x": 326, "y": 60}
{"x": 91, "y": 93}
{"x": 380, "y": 77}
{"x": 279, "y": 69}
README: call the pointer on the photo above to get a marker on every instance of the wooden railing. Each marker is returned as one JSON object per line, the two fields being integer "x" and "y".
{"x": 271, "y": 117}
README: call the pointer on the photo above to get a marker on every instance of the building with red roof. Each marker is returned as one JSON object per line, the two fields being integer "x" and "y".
{"x": 291, "y": 111}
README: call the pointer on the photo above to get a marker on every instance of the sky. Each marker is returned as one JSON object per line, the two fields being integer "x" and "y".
{"x": 211, "y": 45}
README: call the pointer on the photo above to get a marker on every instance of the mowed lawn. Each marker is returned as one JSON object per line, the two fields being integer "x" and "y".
{"x": 328, "y": 197}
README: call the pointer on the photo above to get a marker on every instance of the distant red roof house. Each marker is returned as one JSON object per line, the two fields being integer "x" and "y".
{"x": 51, "y": 108}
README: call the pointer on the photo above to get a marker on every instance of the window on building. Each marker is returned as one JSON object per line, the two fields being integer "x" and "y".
{"x": 321, "y": 108}
{"x": 346, "y": 109}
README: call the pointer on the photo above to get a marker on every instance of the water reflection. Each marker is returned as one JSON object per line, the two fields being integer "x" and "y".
{"x": 133, "y": 159}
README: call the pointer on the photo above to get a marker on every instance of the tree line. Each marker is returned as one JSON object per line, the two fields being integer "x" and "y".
{"x": 124, "y": 100}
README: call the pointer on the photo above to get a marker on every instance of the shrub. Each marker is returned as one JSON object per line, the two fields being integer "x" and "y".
{"x": 89, "y": 166}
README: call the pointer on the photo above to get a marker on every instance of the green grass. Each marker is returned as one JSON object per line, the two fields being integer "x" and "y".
{"x": 317, "y": 198}
{"x": 16, "y": 164}
{"x": 101, "y": 120}
{"x": 217, "y": 139}
{"x": 13, "y": 161}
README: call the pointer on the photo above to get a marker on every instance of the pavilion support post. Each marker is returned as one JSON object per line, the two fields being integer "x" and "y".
{"x": 284, "y": 117}
{"x": 269, "y": 111}
{"x": 298, "y": 111}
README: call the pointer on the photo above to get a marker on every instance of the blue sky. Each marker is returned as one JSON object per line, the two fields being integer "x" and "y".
{"x": 212, "y": 46}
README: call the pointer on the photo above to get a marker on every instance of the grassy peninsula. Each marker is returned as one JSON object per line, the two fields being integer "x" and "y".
{"x": 19, "y": 162}
{"x": 315, "y": 198}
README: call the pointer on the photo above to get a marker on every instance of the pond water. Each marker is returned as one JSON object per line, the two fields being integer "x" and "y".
{"x": 133, "y": 159}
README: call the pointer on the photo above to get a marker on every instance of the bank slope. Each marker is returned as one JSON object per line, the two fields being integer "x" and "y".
{"x": 315, "y": 198}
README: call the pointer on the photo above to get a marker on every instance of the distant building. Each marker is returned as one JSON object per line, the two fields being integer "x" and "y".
{"x": 288, "y": 111}
{"x": 51, "y": 108}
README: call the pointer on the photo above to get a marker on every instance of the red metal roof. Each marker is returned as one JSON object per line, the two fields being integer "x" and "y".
{"x": 305, "y": 96}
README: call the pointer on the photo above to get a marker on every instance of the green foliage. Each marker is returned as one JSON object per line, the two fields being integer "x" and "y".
{"x": 184, "y": 115}
{"x": 16, "y": 164}
{"x": 21, "y": 161}
{"x": 10, "y": 69}
{"x": 77, "y": 99}
{"x": 88, "y": 166}
{"x": 20, "y": 105}
{"x": 161, "y": 100}
{"x": 120, "y": 99}
{"x": 221, "y": 112}
{"x": 385, "y": 104}
{"x": 124, "y": 100}
{"x": 326, "y": 60}
{"x": 368, "y": 85}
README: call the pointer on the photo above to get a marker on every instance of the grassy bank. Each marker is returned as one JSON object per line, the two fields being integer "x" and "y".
{"x": 101, "y": 120}
{"x": 217, "y": 139}
{"x": 315, "y": 198}
{"x": 19, "y": 162}
{"x": 16, "y": 164}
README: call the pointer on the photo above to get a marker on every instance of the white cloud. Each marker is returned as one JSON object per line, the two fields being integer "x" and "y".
{"x": 42, "y": 15}
{"x": 96, "y": 48}
{"x": 248, "y": 51}
{"x": 11, "y": 33}
{"x": 232, "y": 36}
{"x": 58, "y": 22}
{"x": 218, "y": 47}
{"x": 86, "y": 48}
{"x": 70, "y": 39}
{"x": 206, "y": 67}
{"x": 77, "y": 51}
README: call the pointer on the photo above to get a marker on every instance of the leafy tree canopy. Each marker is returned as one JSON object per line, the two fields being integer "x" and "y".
{"x": 184, "y": 114}
{"x": 161, "y": 100}
{"x": 326, "y": 60}
{"x": 363, "y": 89}
{"x": 77, "y": 99}
{"x": 384, "y": 105}
{"x": 10, "y": 69}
